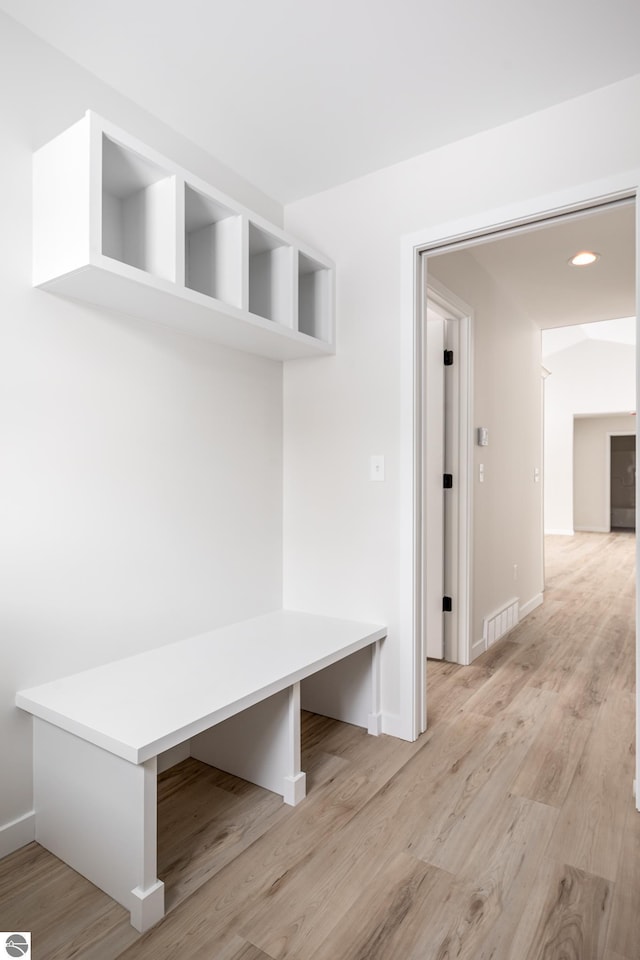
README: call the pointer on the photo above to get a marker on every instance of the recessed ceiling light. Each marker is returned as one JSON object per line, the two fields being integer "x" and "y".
{"x": 584, "y": 258}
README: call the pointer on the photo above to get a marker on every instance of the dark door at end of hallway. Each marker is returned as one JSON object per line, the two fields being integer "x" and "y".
{"x": 623, "y": 482}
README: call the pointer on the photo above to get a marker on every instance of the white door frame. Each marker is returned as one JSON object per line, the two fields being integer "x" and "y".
{"x": 453, "y": 235}
{"x": 459, "y": 650}
{"x": 435, "y": 329}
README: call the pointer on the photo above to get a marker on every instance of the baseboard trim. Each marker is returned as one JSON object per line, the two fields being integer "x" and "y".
{"x": 559, "y": 533}
{"x": 374, "y": 724}
{"x": 478, "y": 648}
{"x": 17, "y": 834}
{"x": 392, "y": 725}
{"x": 531, "y": 605}
{"x": 592, "y": 529}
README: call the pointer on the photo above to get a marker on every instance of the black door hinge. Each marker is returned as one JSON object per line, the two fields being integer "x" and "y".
{"x": 447, "y": 481}
{"x": 448, "y": 358}
{"x": 447, "y": 605}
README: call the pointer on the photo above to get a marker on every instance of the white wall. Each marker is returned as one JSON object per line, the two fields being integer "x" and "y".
{"x": 591, "y": 451}
{"x": 141, "y": 471}
{"x": 507, "y": 505}
{"x": 590, "y": 377}
{"x": 345, "y": 538}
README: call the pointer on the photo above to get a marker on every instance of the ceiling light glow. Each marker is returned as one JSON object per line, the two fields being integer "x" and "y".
{"x": 584, "y": 258}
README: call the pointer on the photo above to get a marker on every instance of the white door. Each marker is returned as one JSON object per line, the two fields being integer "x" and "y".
{"x": 434, "y": 470}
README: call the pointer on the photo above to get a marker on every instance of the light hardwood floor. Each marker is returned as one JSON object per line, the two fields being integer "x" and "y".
{"x": 508, "y": 831}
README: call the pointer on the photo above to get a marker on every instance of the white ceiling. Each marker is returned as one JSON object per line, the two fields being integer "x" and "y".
{"x": 611, "y": 331}
{"x": 299, "y": 96}
{"x": 532, "y": 270}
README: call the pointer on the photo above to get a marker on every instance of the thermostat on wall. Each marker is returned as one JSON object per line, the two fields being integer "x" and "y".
{"x": 483, "y": 437}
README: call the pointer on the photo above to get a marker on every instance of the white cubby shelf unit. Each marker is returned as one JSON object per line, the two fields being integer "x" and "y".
{"x": 119, "y": 226}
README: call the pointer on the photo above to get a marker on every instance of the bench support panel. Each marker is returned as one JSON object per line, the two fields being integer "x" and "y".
{"x": 261, "y": 744}
{"x": 348, "y": 690}
{"x": 98, "y": 813}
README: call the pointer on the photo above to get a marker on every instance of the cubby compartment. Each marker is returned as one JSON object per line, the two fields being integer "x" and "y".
{"x": 213, "y": 248}
{"x": 117, "y": 225}
{"x": 270, "y": 277}
{"x": 138, "y": 211}
{"x": 313, "y": 298}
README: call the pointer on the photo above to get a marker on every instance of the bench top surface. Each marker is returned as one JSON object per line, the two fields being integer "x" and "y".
{"x": 141, "y": 705}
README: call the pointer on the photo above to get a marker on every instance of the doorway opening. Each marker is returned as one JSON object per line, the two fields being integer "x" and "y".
{"x": 590, "y": 395}
{"x": 506, "y": 478}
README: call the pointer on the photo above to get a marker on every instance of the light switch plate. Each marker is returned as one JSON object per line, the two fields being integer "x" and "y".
{"x": 376, "y": 467}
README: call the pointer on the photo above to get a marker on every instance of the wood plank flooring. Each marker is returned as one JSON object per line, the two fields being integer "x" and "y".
{"x": 507, "y": 832}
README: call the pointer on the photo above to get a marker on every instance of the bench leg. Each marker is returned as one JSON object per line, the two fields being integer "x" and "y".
{"x": 98, "y": 813}
{"x": 374, "y": 724}
{"x": 295, "y": 782}
{"x": 261, "y": 744}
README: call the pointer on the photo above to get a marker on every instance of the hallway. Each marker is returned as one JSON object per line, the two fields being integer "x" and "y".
{"x": 508, "y": 831}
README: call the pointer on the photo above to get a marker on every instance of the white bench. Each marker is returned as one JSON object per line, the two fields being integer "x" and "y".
{"x": 233, "y": 693}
